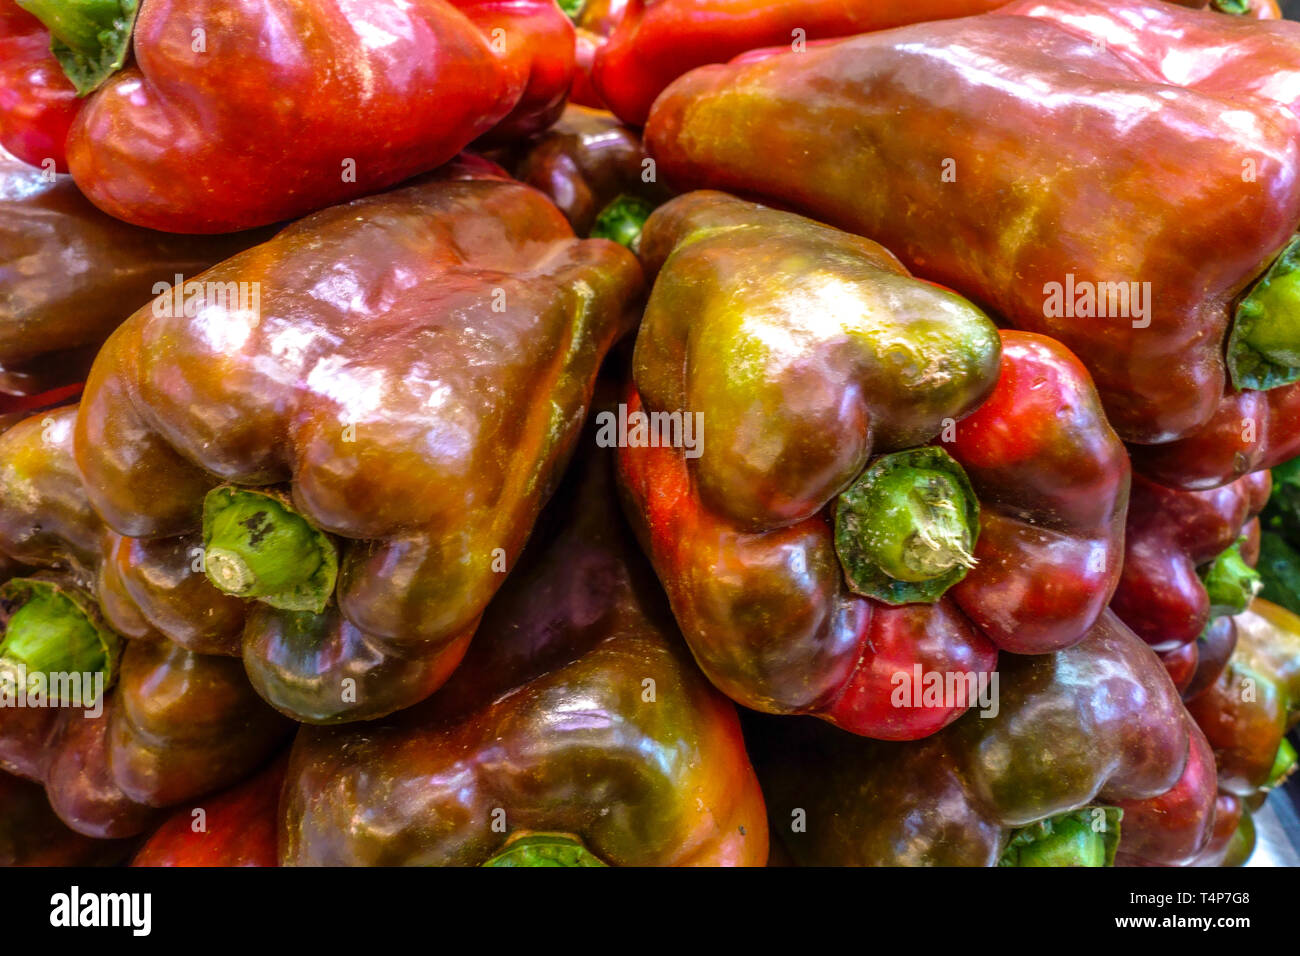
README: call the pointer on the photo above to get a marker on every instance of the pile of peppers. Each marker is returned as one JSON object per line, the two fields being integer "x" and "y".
{"x": 647, "y": 432}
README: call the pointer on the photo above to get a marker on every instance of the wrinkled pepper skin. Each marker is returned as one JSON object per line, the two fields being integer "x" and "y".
{"x": 547, "y": 726}
{"x": 1247, "y": 711}
{"x": 759, "y": 316}
{"x": 414, "y": 382}
{"x": 365, "y": 96}
{"x": 970, "y": 148}
{"x": 69, "y": 275}
{"x": 1096, "y": 724}
{"x": 658, "y": 40}
{"x": 237, "y": 827}
{"x": 31, "y": 834}
{"x": 37, "y": 103}
{"x": 586, "y": 161}
{"x": 1170, "y": 535}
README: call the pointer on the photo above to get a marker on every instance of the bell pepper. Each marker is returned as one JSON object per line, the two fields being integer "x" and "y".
{"x": 593, "y": 21}
{"x": 577, "y": 732}
{"x": 240, "y": 113}
{"x": 1247, "y": 711}
{"x": 808, "y": 549}
{"x": 31, "y": 834}
{"x": 69, "y": 274}
{"x": 37, "y": 103}
{"x": 364, "y": 449}
{"x": 176, "y": 725}
{"x": 657, "y": 41}
{"x": 595, "y": 169}
{"x": 1088, "y": 746}
{"x": 1183, "y": 560}
{"x": 236, "y": 827}
{"x": 990, "y": 154}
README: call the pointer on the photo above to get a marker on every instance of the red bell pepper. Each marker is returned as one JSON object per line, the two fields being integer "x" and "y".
{"x": 236, "y": 827}
{"x": 239, "y": 113}
{"x": 1179, "y": 542}
{"x": 659, "y": 40}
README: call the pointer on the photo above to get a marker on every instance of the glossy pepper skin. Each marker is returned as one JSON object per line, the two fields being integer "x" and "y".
{"x": 593, "y": 22}
{"x": 411, "y": 388}
{"x": 577, "y": 711}
{"x": 236, "y": 827}
{"x": 37, "y": 103}
{"x": 1171, "y": 535}
{"x": 587, "y": 161}
{"x": 69, "y": 275}
{"x": 1098, "y": 724}
{"x": 177, "y": 724}
{"x": 971, "y": 149}
{"x": 1247, "y": 711}
{"x": 290, "y": 107}
{"x": 658, "y": 40}
{"x": 807, "y": 352}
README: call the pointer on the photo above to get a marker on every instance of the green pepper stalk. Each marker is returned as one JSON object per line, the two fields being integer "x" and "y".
{"x": 544, "y": 849}
{"x": 89, "y": 38}
{"x": 257, "y": 546}
{"x": 1230, "y": 582}
{"x": 622, "y": 221}
{"x": 905, "y": 530}
{"x": 1237, "y": 8}
{"x": 1264, "y": 348}
{"x": 51, "y": 630}
{"x": 1283, "y": 764}
{"x": 1087, "y": 837}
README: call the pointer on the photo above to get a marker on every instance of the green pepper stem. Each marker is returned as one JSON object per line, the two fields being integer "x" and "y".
{"x": 89, "y": 38}
{"x": 49, "y": 633}
{"x": 622, "y": 221}
{"x": 1264, "y": 348}
{"x": 572, "y": 8}
{"x": 910, "y": 520}
{"x": 256, "y": 546}
{"x": 1230, "y": 582}
{"x": 544, "y": 849}
{"x": 1235, "y": 7}
{"x": 1086, "y": 837}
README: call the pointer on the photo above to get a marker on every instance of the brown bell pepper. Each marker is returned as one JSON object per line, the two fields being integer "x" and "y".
{"x": 577, "y": 731}
{"x": 1011, "y": 156}
{"x": 1091, "y": 753}
{"x": 595, "y": 169}
{"x": 365, "y": 440}
{"x": 820, "y": 547}
{"x": 31, "y": 834}
{"x": 70, "y": 274}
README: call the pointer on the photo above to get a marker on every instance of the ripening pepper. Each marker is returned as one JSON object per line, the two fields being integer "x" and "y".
{"x": 240, "y": 113}
{"x": 236, "y": 827}
{"x": 364, "y": 440}
{"x": 1012, "y": 157}
{"x": 1079, "y": 736}
{"x": 1183, "y": 560}
{"x": 69, "y": 274}
{"x": 657, "y": 41}
{"x": 1248, "y": 710}
{"x": 577, "y": 732}
{"x": 174, "y": 724}
{"x": 595, "y": 169}
{"x": 808, "y": 539}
